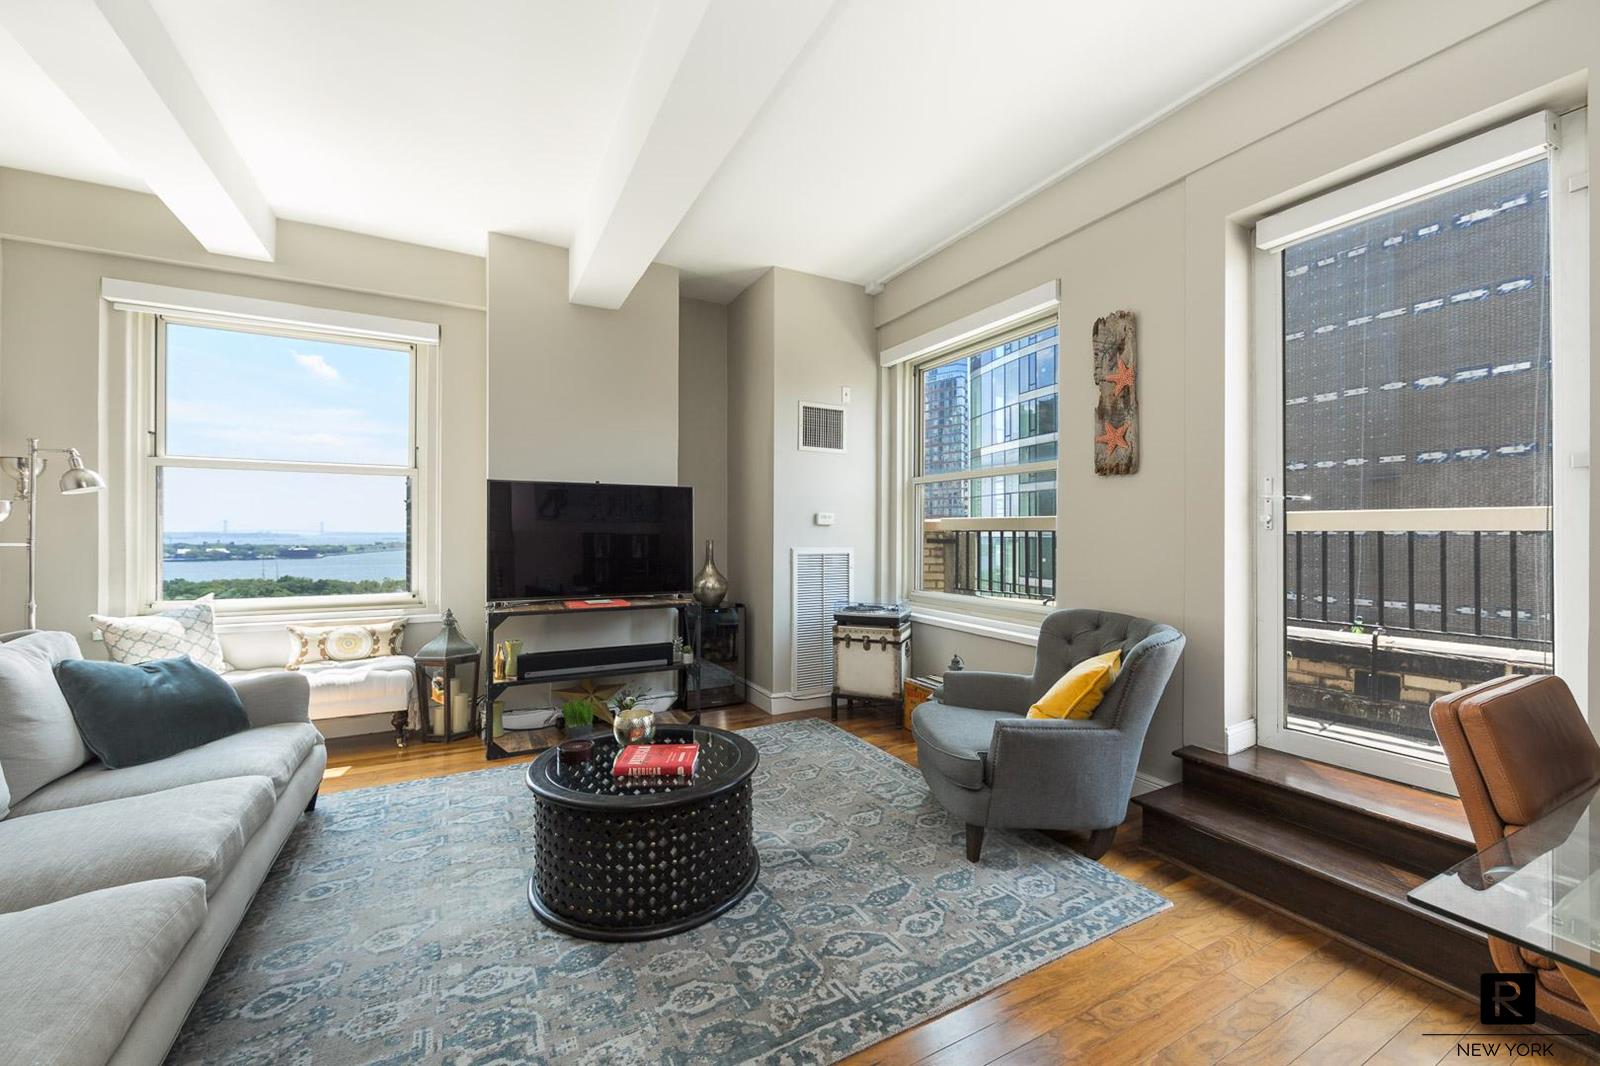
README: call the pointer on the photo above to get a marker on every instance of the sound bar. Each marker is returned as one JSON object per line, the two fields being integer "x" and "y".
{"x": 532, "y": 664}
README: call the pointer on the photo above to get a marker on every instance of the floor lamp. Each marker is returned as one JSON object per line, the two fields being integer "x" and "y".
{"x": 25, "y": 470}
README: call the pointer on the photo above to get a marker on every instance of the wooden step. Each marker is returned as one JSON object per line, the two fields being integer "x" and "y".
{"x": 1328, "y": 881}
{"x": 1422, "y": 831}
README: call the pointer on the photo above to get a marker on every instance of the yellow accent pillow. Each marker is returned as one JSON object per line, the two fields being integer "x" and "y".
{"x": 1078, "y": 693}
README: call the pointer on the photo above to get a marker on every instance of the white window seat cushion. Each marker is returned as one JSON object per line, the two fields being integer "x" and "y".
{"x": 381, "y": 685}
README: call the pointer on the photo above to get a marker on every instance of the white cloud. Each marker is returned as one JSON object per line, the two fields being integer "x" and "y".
{"x": 304, "y": 432}
{"x": 318, "y": 366}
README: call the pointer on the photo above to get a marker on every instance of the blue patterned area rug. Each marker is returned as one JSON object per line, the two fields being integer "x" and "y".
{"x": 395, "y": 929}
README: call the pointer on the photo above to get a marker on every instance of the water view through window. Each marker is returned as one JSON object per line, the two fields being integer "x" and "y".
{"x": 304, "y": 490}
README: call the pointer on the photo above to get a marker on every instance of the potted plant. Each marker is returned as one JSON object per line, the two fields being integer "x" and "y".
{"x": 577, "y": 715}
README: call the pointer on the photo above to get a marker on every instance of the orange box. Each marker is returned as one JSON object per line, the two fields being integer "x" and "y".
{"x": 917, "y": 691}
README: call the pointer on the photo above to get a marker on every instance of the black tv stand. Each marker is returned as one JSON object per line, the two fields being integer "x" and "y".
{"x": 584, "y": 663}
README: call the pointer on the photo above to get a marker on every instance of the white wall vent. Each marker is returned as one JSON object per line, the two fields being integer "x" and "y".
{"x": 821, "y": 427}
{"x": 822, "y": 584}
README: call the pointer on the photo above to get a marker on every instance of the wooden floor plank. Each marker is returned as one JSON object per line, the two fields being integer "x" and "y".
{"x": 1043, "y": 989}
{"x": 1293, "y": 945}
{"x": 1247, "y": 1018}
{"x": 1374, "y": 1023}
{"x": 1314, "y": 1017}
{"x": 1038, "y": 1017}
{"x": 1418, "y": 1041}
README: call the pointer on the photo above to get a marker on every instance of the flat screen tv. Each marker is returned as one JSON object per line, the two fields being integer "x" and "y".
{"x": 568, "y": 540}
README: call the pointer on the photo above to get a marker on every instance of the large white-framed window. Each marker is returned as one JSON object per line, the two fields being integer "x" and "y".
{"x": 283, "y": 458}
{"x": 982, "y": 429}
{"x": 1421, "y": 444}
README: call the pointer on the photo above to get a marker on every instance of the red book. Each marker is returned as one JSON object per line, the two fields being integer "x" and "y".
{"x": 656, "y": 760}
{"x": 591, "y": 605}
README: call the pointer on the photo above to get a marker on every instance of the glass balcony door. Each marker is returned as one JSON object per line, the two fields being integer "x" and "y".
{"x": 1411, "y": 419}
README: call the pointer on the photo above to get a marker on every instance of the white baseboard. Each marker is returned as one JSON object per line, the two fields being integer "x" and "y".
{"x": 1241, "y": 735}
{"x": 783, "y": 702}
{"x": 1143, "y": 782}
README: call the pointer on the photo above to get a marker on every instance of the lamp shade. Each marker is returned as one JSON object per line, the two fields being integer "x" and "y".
{"x": 79, "y": 478}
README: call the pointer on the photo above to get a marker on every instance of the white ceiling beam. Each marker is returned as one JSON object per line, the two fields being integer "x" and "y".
{"x": 707, "y": 68}
{"x": 117, "y": 64}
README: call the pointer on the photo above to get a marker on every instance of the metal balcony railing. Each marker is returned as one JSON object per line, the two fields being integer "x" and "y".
{"x": 1465, "y": 573}
{"x": 1010, "y": 557}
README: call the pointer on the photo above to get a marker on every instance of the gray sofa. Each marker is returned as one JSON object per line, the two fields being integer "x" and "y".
{"x": 990, "y": 765}
{"x": 119, "y": 889}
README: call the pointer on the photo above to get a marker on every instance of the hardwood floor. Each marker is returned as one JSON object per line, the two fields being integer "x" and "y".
{"x": 1218, "y": 978}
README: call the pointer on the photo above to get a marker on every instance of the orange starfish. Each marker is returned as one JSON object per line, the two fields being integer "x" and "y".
{"x": 1121, "y": 377}
{"x": 1113, "y": 437}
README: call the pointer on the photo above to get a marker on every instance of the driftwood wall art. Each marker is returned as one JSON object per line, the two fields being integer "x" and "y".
{"x": 1116, "y": 411}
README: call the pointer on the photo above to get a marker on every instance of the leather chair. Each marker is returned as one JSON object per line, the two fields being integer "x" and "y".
{"x": 1518, "y": 748}
{"x": 990, "y": 765}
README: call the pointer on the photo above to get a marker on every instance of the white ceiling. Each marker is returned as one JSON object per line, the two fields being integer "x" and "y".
{"x": 901, "y": 123}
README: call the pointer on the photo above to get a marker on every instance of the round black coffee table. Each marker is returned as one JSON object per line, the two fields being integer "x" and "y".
{"x": 621, "y": 860}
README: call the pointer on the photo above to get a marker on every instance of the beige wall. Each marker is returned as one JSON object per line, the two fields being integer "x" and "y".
{"x": 1158, "y": 227}
{"x": 823, "y": 343}
{"x": 531, "y": 385}
{"x": 64, "y": 358}
{"x": 751, "y": 400}
{"x": 536, "y": 386}
{"x": 703, "y": 417}
{"x": 49, "y": 210}
{"x": 1118, "y": 538}
{"x": 579, "y": 393}
{"x": 795, "y": 337}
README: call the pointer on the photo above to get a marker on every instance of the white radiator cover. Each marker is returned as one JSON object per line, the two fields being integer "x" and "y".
{"x": 822, "y": 584}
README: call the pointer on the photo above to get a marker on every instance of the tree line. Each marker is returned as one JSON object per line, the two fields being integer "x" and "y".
{"x": 249, "y": 588}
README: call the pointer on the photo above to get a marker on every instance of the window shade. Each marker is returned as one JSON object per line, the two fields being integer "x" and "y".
{"x": 1496, "y": 149}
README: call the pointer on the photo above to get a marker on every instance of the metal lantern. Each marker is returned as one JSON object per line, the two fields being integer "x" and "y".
{"x": 448, "y": 669}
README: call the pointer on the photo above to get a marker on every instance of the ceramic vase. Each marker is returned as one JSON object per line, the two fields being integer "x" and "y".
{"x": 711, "y": 586}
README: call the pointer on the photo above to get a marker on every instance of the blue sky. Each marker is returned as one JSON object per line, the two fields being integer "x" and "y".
{"x": 247, "y": 395}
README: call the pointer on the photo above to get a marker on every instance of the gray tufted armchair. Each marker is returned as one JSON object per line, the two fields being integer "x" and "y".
{"x": 989, "y": 764}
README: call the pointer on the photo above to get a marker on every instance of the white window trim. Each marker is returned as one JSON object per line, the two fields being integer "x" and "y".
{"x": 140, "y": 587}
{"x": 1037, "y": 302}
{"x": 1022, "y": 629}
{"x": 138, "y": 296}
{"x": 1477, "y": 157}
{"x": 1004, "y": 618}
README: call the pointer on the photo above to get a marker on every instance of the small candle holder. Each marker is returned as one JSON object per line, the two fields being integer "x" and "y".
{"x": 574, "y": 752}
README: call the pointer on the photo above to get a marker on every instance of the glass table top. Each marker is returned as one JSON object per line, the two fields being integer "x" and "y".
{"x": 1540, "y": 887}
{"x": 724, "y": 760}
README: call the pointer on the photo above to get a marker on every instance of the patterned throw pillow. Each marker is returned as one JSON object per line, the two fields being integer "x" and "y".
{"x": 187, "y": 629}
{"x": 344, "y": 644}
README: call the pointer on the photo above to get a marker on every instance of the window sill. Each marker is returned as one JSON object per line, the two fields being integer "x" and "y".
{"x": 259, "y": 621}
{"x": 1017, "y": 623}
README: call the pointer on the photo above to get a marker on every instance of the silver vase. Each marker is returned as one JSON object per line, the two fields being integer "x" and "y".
{"x": 710, "y": 587}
